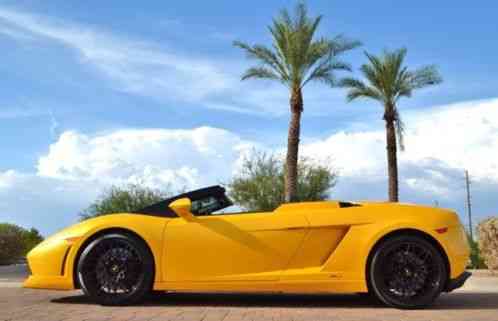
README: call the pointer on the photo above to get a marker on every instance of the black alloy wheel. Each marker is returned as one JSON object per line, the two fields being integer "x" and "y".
{"x": 407, "y": 272}
{"x": 116, "y": 269}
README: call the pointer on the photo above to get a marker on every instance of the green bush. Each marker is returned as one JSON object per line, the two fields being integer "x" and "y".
{"x": 259, "y": 186}
{"x": 488, "y": 242}
{"x": 123, "y": 199}
{"x": 476, "y": 259}
{"x": 31, "y": 238}
{"x": 12, "y": 246}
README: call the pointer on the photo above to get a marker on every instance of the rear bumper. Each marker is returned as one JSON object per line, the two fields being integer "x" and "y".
{"x": 457, "y": 282}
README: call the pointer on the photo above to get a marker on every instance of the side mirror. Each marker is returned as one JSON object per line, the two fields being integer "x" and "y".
{"x": 182, "y": 207}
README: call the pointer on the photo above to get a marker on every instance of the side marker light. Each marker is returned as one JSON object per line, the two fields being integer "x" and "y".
{"x": 442, "y": 230}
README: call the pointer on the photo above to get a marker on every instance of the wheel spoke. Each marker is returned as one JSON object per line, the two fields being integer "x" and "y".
{"x": 409, "y": 271}
{"x": 115, "y": 268}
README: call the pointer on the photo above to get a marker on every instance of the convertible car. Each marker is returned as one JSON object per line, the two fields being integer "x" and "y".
{"x": 405, "y": 255}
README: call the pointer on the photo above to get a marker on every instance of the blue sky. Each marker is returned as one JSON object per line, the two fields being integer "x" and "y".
{"x": 75, "y": 73}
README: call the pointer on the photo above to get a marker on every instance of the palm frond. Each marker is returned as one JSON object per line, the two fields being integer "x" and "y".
{"x": 265, "y": 56}
{"x": 387, "y": 80}
{"x": 260, "y": 73}
{"x": 373, "y": 76}
{"x": 425, "y": 76}
{"x": 400, "y": 130}
{"x": 358, "y": 89}
{"x": 325, "y": 72}
{"x": 295, "y": 55}
{"x": 341, "y": 44}
{"x": 281, "y": 40}
{"x": 392, "y": 80}
{"x": 392, "y": 63}
{"x": 401, "y": 85}
{"x": 352, "y": 83}
{"x": 322, "y": 73}
{"x": 286, "y": 18}
{"x": 318, "y": 50}
{"x": 301, "y": 15}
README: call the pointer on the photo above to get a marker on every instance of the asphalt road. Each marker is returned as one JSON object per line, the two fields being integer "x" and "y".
{"x": 13, "y": 273}
{"x": 478, "y": 300}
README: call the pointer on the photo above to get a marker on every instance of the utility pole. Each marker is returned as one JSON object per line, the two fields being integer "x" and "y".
{"x": 469, "y": 205}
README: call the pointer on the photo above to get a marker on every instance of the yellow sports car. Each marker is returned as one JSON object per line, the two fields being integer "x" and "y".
{"x": 405, "y": 255}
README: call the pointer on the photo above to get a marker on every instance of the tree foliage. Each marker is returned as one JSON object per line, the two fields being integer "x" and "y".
{"x": 31, "y": 238}
{"x": 296, "y": 56}
{"x": 388, "y": 80}
{"x": 123, "y": 199}
{"x": 16, "y": 242}
{"x": 476, "y": 259}
{"x": 260, "y": 184}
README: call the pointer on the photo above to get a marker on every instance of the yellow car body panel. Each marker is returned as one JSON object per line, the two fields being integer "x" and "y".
{"x": 256, "y": 246}
{"x": 299, "y": 247}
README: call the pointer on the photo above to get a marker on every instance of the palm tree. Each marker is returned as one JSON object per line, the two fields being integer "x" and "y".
{"x": 295, "y": 59}
{"x": 387, "y": 81}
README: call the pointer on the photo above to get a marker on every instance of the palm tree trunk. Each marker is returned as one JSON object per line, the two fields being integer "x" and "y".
{"x": 296, "y": 106}
{"x": 392, "y": 161}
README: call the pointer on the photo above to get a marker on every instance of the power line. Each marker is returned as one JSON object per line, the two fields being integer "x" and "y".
{"x": 469, "y": 204}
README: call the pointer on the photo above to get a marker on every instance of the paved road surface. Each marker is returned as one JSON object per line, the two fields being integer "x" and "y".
{"x": 11, "y": 275}
{"x": 477, "y": 301}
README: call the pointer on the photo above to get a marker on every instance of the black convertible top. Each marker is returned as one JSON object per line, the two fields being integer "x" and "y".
{"x": 162, "y": 208}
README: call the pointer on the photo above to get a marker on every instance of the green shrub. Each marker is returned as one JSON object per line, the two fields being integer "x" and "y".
{"x": 11, "y": 243}
{"x": 31, "y": 238}
{"x": 259, "y": 186}
{"x": 488, "y": 242}
{"x": 123, "y": 199}
{"x": 476, "y": 259}
{"x": 16, "y": 242}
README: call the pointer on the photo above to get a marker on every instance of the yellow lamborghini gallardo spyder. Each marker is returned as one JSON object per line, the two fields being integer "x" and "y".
{"x": 405, "y": 255}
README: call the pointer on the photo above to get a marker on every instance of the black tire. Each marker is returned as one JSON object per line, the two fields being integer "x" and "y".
{"x": 407, "y": 272}
{"x": 116, "y": 269}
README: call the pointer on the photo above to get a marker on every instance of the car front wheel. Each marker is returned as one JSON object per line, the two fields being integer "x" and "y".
{"x": 407, "y": 272}
{"x": 116, "y": 269}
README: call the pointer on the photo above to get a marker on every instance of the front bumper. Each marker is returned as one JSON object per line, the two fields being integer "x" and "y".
{"x": 48, "y": 282}
{"x": 457, "y": 282}
{"x": 48, "y": 268}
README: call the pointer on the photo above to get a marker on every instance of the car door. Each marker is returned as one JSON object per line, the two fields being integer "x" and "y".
{"x": 232, "y": 247}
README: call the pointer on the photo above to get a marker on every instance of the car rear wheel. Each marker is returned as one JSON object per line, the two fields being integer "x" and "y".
{"x": 116, "y": 269}
{"x": 407, "y": 272}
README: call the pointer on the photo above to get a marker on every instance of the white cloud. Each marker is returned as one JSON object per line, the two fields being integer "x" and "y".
{"x": 461, "y": 136}
{"x": 7, "y": 178}
{"x": 156, "y": 157}
{"x": 353, "y": 153}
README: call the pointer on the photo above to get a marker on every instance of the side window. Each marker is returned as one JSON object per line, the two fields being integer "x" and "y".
{"x": 206, "y": 206}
